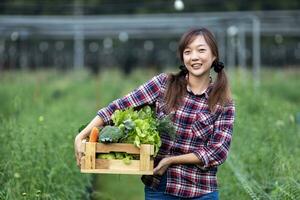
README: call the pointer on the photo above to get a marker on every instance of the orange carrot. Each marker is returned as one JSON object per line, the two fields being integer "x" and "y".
{"x": 94, "y": 135}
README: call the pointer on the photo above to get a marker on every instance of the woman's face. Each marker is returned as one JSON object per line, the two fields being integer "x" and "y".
{"x": 198, "y": 58}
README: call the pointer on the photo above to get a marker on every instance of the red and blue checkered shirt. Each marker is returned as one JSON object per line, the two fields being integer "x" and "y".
{"x": 207, "y": 135}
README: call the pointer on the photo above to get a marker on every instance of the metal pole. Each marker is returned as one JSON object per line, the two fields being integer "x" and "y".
{"x": 78, "y": 48}
{"x": 231, "y": 32}
{"x": 2, "y": 51}
{"x": 23, "y": 58}
{"x": 242, "y": 47}
{"x": 78, "y": 56}
{"x": 222, "y": 45}
{"x": 256, "y": 51}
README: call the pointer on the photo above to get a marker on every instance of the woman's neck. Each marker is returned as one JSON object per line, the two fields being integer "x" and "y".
{"x": 198, "y": 84}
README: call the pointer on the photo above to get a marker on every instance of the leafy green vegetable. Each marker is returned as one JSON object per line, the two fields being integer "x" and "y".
{"x": 120, "y": 155}
{"x": 110, "y": 134}
{"x": 165, "y": 126}
{"x": 127, "y": 159}
{"x": 142, "y": 127}
{"x": 137, "y": 127}
{"x": 106, "y": 156}
{"x": 120, "y": 116}
{"x": 117, "y": 155}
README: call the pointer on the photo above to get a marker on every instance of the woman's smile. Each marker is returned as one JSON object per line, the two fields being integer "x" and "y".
{"x": 196, "y": 65}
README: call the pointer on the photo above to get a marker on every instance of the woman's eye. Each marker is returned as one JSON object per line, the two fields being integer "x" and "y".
{"x": 186, "y": 52}
{"x": 201, "y": 50}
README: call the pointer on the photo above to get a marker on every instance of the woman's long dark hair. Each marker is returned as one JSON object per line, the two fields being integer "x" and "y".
{"x": 177, "y": 83}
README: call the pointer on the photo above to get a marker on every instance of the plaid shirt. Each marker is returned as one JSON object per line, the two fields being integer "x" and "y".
{"x": 198, "y": 131}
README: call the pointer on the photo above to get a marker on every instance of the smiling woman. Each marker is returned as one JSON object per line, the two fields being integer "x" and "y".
{"x": 198, "y": 51}
{"x": 202, "y": 113}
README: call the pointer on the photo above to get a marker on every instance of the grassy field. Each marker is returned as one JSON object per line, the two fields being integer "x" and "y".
{"x": 40, "y": 113}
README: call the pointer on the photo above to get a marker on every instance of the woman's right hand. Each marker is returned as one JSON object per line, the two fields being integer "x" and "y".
{"x": 96, "y": 122}
{"x": 77, "y": 147}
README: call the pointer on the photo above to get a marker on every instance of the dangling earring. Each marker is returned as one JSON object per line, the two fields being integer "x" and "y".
{"x": 210, "y": 76}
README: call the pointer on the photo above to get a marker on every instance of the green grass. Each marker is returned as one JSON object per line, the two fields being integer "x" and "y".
{"x": 40, "y": 113}
{"x": 264, "y": 149}
{"x": 111, "y": 187}
{"x": 38, "y": 124}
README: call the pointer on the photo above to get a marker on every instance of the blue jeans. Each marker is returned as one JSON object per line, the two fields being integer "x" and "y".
{"x": 159, "y": 194}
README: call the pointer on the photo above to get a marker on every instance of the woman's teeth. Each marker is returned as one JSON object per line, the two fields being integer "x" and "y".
{"x": 196, "y": 65}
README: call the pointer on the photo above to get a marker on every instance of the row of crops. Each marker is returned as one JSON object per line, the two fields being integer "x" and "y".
{"x": 40, "y": 113}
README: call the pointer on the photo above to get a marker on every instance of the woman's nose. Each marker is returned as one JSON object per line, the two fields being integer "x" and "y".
{"x": 194, "y": 56}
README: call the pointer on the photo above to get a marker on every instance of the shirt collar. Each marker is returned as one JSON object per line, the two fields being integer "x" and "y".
{"x": 204, "y": 92}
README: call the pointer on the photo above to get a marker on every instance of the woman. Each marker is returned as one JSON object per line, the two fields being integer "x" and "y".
{"x": 202, "y": 112}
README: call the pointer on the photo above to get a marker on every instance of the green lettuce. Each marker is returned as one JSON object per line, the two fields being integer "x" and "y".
{"x": 142, "y": 127}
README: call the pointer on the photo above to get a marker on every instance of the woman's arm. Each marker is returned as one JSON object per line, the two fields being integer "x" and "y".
{"x": 163, "y": 165}
{"x": 216, "y": 150}
{"x": 145, "y": 94}
{"x": 212, "y": 154}
{"x": 96, "y": 122}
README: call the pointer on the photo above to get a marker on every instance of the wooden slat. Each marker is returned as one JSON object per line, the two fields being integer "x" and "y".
{"x": 117, "y": 147}
{"x": 151, "y": 150}
{"x": 145, "y": 157}
{"x": 89, "y": 163}
{"x": 104, "y": 166}
{"x": 117, "y": 165}
{"x": 90, "y": 155}
{"x": 107, "y": 171}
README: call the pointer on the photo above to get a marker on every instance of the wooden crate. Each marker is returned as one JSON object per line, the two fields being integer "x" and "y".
{"x": 90, "y": 164}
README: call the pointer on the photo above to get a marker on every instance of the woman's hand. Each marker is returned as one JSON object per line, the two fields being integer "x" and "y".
{"x": 77, "y": 147}
{"x": 96, "y": 122}
{"x": 162, "y": 166}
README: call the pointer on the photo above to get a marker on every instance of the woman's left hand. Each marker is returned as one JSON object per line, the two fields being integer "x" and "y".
{"x": 162, "y": 166}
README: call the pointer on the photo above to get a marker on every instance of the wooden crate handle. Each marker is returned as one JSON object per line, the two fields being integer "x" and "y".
{"x": 90, "y": 155}
{"x": 117, "y": 147}
{"x": 145, "y": 152}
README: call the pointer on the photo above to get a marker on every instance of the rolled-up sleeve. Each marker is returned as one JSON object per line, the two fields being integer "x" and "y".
{"x": 215, "y": 152}
{"x": 144, "y": 94}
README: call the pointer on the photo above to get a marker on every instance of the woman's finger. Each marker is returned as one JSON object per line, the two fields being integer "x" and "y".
{"x": 78, "y": 158}
{"x": 160, "y": 172}
{"x": 157, "y": 168}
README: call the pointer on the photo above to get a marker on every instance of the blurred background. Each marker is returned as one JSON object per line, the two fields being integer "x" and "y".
{"x": 98, "y": 34}
{"x": 61, "y": 61}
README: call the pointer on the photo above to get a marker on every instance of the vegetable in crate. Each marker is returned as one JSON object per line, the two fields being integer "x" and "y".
{"x": 108, "y": 156}
{"x": 165, "y": 126}
{"x": 110, "y": 134}
{"x": 117, "y": 155}
{"x": 137, "y": 127}
{"x": 94, "y": 135}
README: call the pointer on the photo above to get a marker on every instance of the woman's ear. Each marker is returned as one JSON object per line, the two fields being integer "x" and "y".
{"x": 214, "y": 61}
